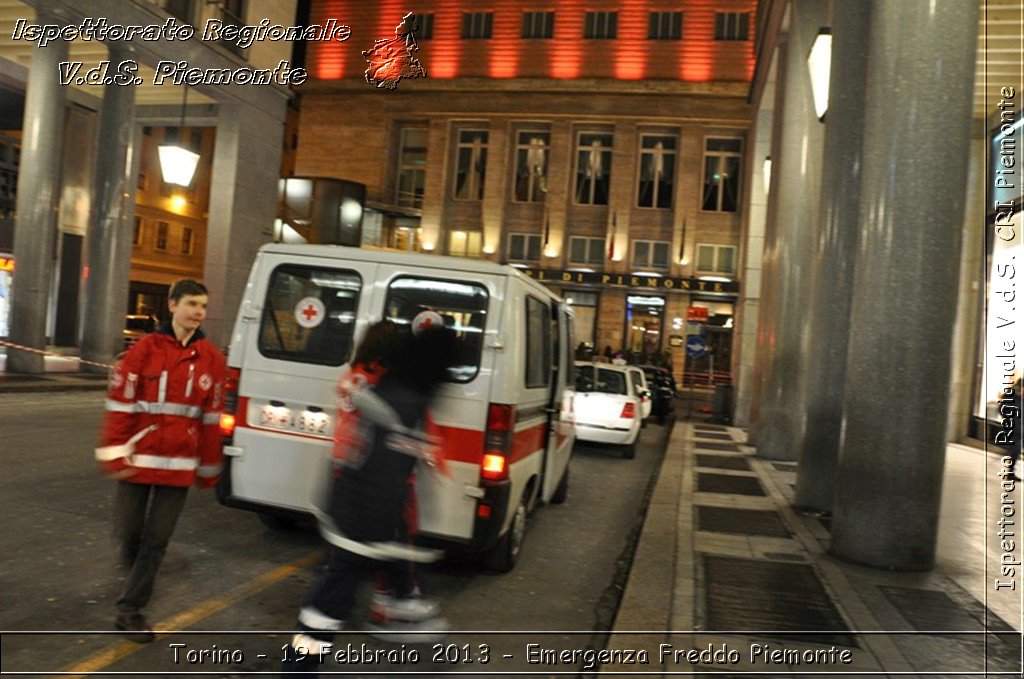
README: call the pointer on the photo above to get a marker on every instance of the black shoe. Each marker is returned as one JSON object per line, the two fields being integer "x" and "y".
{"x": 135, "y": 627}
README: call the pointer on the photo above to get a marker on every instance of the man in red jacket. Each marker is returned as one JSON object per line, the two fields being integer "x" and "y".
{"x": 160, "y": 436}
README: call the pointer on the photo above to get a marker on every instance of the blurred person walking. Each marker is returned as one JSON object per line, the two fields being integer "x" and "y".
{"x": 364, "y": 522}
{"x": 159, "y": 437}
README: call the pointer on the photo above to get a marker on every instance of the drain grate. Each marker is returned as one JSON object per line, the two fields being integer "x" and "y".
{"x": 929, "y": 610}
{"x": 724, "y": 447}
{"x": 743, "y": 521}
{"x": 771, "y": 596}
{"x": 723, "y": 462}
{"x": 713, "y": 437}
{"x": 722, "y": 483}
{"x": 709, "y": 427}
{"x": 785, "y": 466}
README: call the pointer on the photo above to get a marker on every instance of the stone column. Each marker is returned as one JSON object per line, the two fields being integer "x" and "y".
{"x": 109, "y": 241}
{"x": 796, "y": 175}
{"x": 38, "y": 196}
{"x": 623, "y": 192}
{"x": 913, "y": 183}
{"x": 436, "y": 191}
{"x": 556, "y": 201}
{"x": 832, "y": 277}
{"x": 243, "y": 203}
{"x": 753, "y": 240}
{"x": 493, "y": 236}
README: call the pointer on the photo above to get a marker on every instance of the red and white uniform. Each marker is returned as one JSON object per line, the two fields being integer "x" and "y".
{"x": 163, "y": 412}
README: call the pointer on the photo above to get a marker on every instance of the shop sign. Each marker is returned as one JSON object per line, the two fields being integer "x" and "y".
{"x": 599, "y": 278}
{"x": 698, "y": 314}
{"x": 6, "y": 263}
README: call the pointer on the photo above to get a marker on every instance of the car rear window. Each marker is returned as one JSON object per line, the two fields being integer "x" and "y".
{"x": 463, "y": 306}
{"x": 610, "y": 382}
{"x": 309, "y": 314}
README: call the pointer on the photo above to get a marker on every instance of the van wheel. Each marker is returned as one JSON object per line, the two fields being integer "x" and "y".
{"x": 276, "y": 522}
{"x": 629, "y": 450}
{"x": 504, "y": 555}
{"x": 562, "y": 491}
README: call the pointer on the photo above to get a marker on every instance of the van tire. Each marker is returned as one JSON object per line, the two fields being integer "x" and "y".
{"x": 629, "y": 450}
{"x": 277, "y": 522}
{"x": 504, "y": 555}
{"x": 562, "y": 491}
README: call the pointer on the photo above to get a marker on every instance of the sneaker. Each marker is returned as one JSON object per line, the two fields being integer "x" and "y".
{"x": 429, "y": 631}
{"x": 411, "y": 609}
{"x": 135, "y": 627}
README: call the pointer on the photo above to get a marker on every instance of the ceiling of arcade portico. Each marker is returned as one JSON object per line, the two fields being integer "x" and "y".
{"x": 999, "y": 54}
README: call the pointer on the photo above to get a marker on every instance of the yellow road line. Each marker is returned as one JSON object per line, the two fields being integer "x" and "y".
{"x": 115, "y": 652}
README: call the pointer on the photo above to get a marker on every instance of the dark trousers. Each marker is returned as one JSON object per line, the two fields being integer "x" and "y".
{"x": 144, "y": 520}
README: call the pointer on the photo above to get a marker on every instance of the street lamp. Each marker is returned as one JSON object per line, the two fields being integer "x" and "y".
{"x": 177, "y": 163}
{"x": 819, "y": 61}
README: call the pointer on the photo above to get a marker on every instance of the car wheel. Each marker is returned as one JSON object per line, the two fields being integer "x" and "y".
{"x": 504, "y": 555}
{"x": 562, "y": 492}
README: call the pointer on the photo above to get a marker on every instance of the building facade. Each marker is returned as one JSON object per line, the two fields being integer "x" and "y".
{"x": 600, "y": 148}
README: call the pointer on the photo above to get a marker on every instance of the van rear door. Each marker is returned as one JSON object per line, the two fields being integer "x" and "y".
{"x": 466, "y": 301}
{"x": 305, "y": 313}
{"x": 560, "y": 430}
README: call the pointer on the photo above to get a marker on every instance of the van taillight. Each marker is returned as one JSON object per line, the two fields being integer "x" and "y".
{"x": 628, "y": 411}
{"x": 501, "y": 421}
{"x": 227, "y": 416}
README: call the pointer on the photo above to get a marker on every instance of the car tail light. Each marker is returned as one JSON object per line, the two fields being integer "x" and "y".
{"x": 628, "y": 411}
{"x": 227, "y": 416}
{"x": 501, "y": 420}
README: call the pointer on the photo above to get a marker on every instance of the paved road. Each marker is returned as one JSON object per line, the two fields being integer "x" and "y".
{"x": 225, "y": 572}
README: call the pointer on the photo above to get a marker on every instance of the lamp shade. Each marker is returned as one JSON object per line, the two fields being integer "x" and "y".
{"x": 177, "y": 164}
{"x": 819, "y": 61}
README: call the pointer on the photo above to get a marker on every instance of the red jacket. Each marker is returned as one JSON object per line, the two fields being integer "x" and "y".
{"x": 163, "y": 412}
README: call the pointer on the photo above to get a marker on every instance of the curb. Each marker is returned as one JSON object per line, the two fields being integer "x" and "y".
{"x": 39, "y": 386}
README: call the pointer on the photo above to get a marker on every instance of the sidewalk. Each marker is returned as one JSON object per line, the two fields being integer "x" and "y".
{"x": 61, "y": 374}
{"x": 723, "y": 561}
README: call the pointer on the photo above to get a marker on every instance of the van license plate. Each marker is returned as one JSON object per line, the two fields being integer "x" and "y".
{"x": 305, "y": 421}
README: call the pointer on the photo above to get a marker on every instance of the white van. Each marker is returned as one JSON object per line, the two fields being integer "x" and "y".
{"x": 505, "y": 413}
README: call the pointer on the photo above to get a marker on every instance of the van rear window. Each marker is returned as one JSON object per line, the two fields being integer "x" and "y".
{"x": 309, "y": 314}
{"x": 463, "y": 306}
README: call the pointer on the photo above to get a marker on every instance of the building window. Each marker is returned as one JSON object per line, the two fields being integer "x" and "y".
{"x": 477, "y": 25}
{"x": 657, "y": 171}
{"x": 716, "y": 259}
{"x": 161, "y": 235}
{"x": 650, "y": 254}
{"x": 143, "y": 181}
{"x": 137, "y": 232}
{"x": 524, "y": 247}
{"x": 406, "y": 238}
{"x": 538, "y": 25}
{"x": 532, "y": 150}
{"x": 412, "y": 166}
{"x": 188, "y": 241}
{"x": 584, "y": 250}
{"x": 471, "y": 168}
{"x": 464, "y": 243}
{"x": 600, "y": 25}
{"x": 424, "y": 26}
{"x": 722, "y": 174}
{"x": 196, "y": 140}
{"x": 665, "y": 26}
{"x": 732, "y": 25}
{"x": 593, "y": 168}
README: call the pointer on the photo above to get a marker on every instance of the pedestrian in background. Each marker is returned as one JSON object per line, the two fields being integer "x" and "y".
{"x": 160, "y": 436}
{"x": 363, "y": 524}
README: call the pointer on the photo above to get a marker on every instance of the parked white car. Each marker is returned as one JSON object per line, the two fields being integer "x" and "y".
{"x": 639, "y": 379}
{"x": 607, "y": 406}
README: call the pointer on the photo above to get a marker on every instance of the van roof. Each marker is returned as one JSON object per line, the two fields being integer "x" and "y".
{"x": 441, "y": 262}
